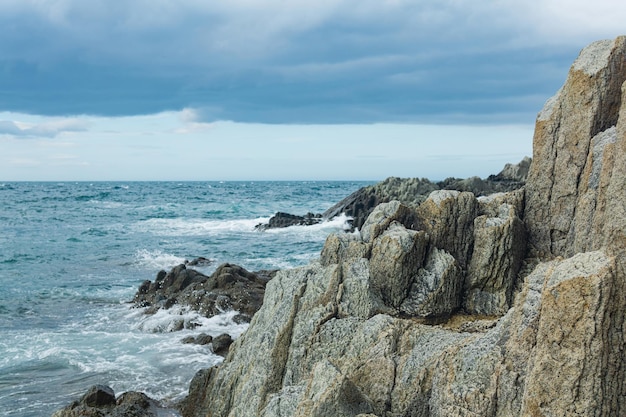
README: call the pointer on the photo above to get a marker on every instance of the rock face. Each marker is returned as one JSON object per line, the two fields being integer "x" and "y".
{"x": 230, "y": 287}
{"x": 575, "y": 148}
{"x": 370, "y": 329}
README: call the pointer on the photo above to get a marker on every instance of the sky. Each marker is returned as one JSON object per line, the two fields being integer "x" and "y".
{"x": 281, "y": 90}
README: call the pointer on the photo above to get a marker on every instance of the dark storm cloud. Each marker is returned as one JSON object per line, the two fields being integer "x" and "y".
{"x": 277, "y": 62}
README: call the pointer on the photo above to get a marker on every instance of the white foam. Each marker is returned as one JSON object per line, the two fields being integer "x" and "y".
{"x": 164, "y": 321}
{"x": 340, "y": 222}
{"x": 198, "y": 227}
{"x": 157, "y": 259}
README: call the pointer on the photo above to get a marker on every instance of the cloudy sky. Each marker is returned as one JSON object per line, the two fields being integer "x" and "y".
{"x": 276, "y": 89}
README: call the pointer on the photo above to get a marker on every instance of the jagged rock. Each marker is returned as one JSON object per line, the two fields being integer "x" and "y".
{"x": 230, "y": 287}
{"x": 360, "y": 204}
{"x": 565, "y": 161}
{"x": 414, "y": 191}
{"x": 448, "y": 218}
{"x": 397, "y": 256}
{"x": 383, "y": 215}
{"x": 436, "y": 288}
{"x": 490, "y": 205}
{"x": 99, "y": 401}
{"x": 499, "y": 249}
{"x": 514, "y": 172}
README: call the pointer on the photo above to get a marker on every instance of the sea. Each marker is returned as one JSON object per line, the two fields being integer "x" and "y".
{"x": 72, "y": 255}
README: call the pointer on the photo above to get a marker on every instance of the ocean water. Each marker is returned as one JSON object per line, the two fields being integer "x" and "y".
{"x": 73, "y": 254}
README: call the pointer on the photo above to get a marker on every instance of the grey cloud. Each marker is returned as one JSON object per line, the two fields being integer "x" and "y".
{"x": 334, "y": 61}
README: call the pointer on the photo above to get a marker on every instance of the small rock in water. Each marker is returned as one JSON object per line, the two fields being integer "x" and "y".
{"x": 221, "y": 344}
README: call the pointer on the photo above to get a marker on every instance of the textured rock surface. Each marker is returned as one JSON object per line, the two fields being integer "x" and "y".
{"x": 448, "y": 218}
{"x": 499, "y": 249}
{"x": 569, "y": 169}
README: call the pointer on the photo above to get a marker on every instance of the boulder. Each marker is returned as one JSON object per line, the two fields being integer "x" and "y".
{"x": 221, "y": 343}
{"x": 383, "y": 215}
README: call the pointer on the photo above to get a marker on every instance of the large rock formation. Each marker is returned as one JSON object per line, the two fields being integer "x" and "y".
{"x": 366, "y": 330}
{"x": 414, "y": 191}
{"x": 576, "y": 148}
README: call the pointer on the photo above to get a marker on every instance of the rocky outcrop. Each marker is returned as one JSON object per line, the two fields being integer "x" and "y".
{"x": 370, "y": 329}
{"x": 413, "y": 191}
{"x": 230, "y": 287}
{"x": 100, "y": 401}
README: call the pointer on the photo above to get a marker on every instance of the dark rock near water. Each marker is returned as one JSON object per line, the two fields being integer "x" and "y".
{"x": 230, "y": 287}
{"x": 98, "y": 396}
{"x": 221, "y": 344}
{"x": 280, "y": 220}
{"x": 201, "y": 339}
{"x": 99, "y": 401}
{"x": 200, "y": 261}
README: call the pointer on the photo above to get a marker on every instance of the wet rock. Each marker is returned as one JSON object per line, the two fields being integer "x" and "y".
{"x": 221, "y": 344}
{"x": 201, "y": 339}
{"x": 100, "y": 401}
{"x": 280, "y": 220}
{"x": 230, "y": 287}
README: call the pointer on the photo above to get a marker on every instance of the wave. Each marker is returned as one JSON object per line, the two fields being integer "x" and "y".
{"x": 197, "y": 227}
{"x": 170, "y": 320}
{"x": 341, "y": 222}
{"x": 157, "y": 259}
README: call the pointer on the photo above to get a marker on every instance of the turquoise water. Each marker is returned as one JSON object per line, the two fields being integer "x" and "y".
{"x": 73, "y": 254}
